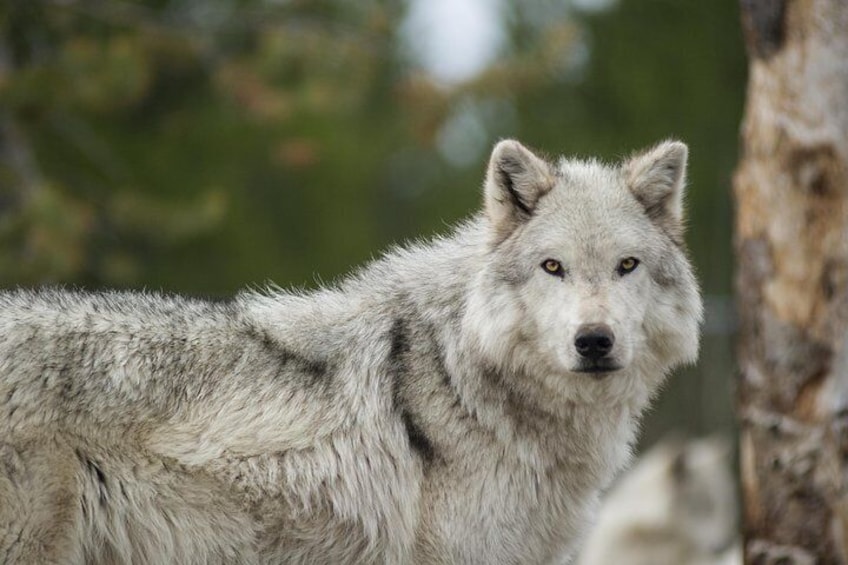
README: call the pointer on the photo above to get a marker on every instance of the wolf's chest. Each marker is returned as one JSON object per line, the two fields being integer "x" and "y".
{"x": 500, "y": 510}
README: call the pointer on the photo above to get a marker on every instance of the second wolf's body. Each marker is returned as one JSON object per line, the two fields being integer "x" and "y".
{"x": 677, "y": 505}
{"x": 419, "y": 412}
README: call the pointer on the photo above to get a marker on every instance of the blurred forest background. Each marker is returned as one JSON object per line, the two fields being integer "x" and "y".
{"x": 201, "y": 146}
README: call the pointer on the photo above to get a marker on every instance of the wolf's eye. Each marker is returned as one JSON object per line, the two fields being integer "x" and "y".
{"x": 627, "y": 265}
{"x": 553, "y": 267}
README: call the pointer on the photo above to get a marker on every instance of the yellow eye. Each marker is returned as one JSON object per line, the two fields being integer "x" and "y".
{"x": 627, "y": 265}
{"x": 553, "y": 267}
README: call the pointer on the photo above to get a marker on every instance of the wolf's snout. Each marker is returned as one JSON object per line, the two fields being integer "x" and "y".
{"x": 594, "y": 341}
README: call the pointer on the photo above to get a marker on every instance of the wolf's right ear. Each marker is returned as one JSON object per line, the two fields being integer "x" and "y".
{"x": 515, "y": 181}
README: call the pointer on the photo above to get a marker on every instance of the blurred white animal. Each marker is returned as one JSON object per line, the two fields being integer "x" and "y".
{"x": 677, "y": 506}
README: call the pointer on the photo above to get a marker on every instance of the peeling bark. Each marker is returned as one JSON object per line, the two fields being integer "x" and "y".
{"x": 762, "y": 21}
{"x": 791, "y": 193}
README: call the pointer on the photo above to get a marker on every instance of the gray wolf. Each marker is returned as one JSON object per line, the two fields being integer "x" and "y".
{"x": 676, "y": 506}
{"x": 457, "y": 401}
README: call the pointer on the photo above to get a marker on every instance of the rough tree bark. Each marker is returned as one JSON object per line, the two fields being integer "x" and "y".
{"x": 791, "y": 192}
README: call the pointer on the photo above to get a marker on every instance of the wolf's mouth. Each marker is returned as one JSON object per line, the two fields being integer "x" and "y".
{"x": 598, "y": 369}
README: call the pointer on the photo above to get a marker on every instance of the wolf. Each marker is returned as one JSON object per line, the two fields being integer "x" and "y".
{"x": 676, "y": 506}
{"x": 462, "y": 400}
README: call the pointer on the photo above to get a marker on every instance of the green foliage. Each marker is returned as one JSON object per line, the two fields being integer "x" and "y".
{"x": 204, "y": 146}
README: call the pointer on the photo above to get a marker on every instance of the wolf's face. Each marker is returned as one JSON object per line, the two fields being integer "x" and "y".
{"x": 586, "y": 273}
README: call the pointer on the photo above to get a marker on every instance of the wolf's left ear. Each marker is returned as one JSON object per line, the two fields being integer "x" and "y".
{"x": 515, "y": 181}
{"x": 657, "y": 178}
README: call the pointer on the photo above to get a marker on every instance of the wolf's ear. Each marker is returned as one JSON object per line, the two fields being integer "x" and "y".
{"x": 515, "y": 181}
{"x": 657, "y": 178}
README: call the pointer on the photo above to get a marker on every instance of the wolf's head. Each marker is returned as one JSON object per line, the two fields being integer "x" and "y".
{"x": 586, "y": 273}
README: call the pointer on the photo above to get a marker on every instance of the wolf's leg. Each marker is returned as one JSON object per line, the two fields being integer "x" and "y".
{"x": 39, "y": 506}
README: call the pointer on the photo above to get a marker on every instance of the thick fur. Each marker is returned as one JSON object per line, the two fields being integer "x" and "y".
{"x": 677, "y": 506}
{"x": 430, "y": 409}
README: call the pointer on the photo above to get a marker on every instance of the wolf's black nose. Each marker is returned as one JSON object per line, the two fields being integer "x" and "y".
{"x": 594, "y": 341}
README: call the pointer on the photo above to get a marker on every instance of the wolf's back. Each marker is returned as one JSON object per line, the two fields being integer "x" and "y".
{"x": 125, "y": 358}
{"x": 108, "y": 358}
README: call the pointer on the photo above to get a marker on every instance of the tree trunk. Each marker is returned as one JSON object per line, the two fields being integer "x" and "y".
{"x": 791, "y": 192}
